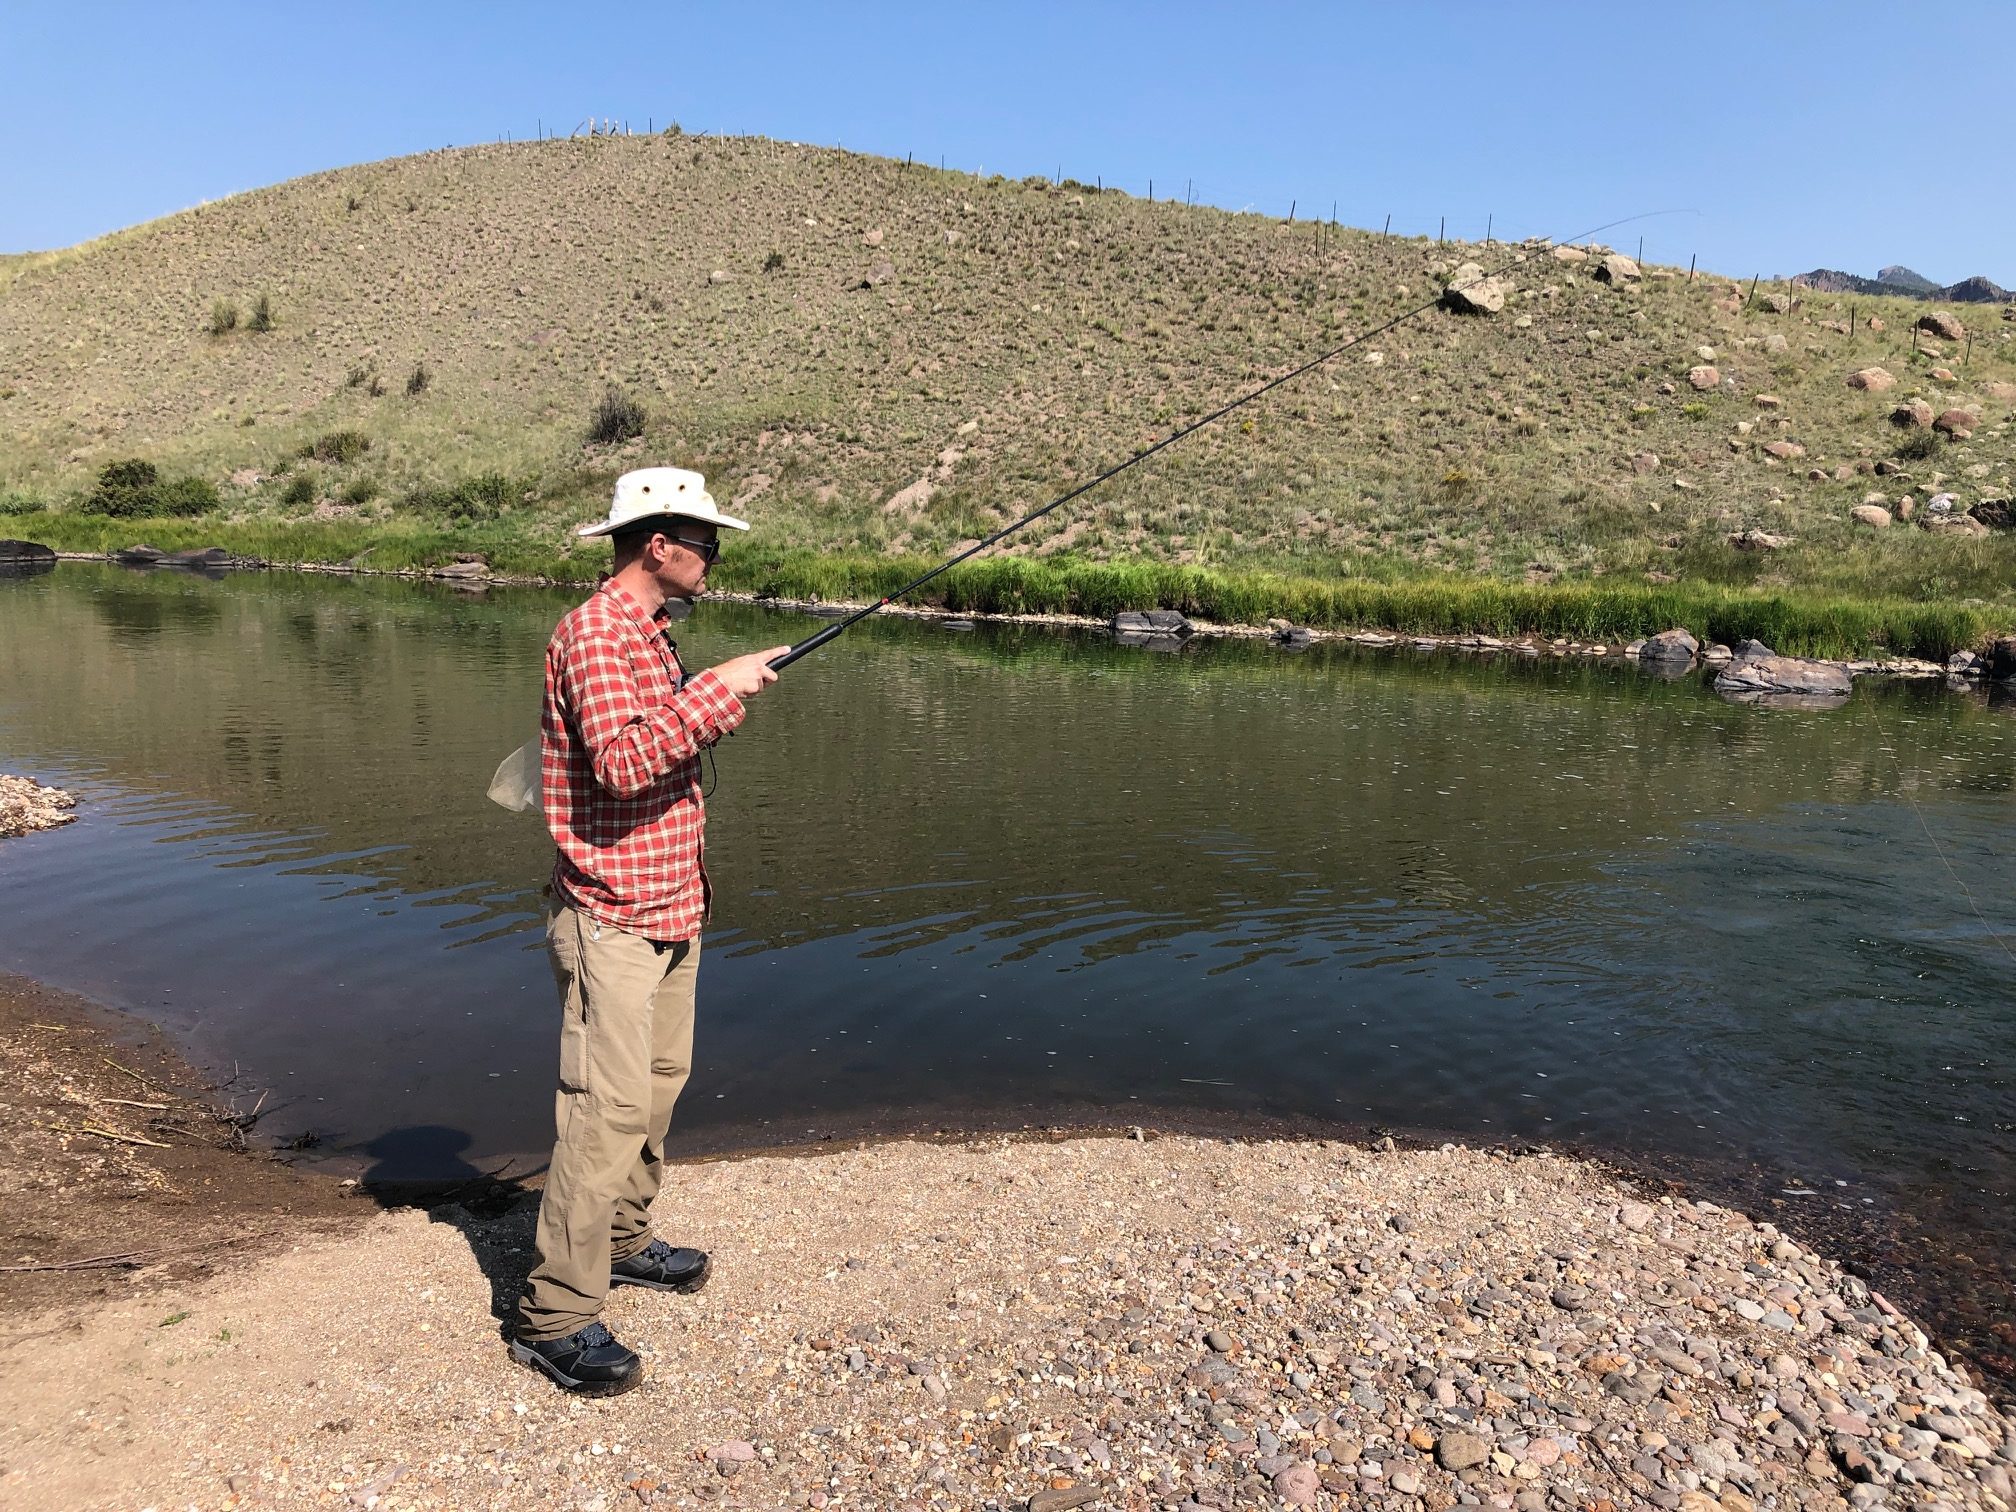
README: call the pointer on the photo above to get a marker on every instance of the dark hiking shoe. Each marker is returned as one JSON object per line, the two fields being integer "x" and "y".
{"x": 662, "y": 1268}
{"x": 588, "y": 1362}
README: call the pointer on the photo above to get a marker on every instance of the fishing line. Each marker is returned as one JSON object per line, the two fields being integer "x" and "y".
{"x": 813, "y": 642}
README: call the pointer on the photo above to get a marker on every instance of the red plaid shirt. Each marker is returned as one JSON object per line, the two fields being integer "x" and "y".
{"x": 621, "y": 731}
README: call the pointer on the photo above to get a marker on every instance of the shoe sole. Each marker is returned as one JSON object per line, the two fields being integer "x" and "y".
{"x": 686, "y": 1288}
{"x": 527, "y": 1356}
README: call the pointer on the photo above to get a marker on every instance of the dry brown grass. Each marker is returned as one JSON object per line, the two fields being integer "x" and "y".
{"x": 1029, "y": 335}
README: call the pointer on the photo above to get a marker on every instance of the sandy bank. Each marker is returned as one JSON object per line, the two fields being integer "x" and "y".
{"x": 1167, "y": 1323}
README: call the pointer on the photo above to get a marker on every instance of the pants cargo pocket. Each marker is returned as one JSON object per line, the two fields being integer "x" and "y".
{"x": 563, "y": 941}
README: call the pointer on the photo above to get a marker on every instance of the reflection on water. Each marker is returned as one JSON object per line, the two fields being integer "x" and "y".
{"x": 1009, "y": 870}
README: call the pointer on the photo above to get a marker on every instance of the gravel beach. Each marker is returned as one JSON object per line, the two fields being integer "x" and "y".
{"x": 1165, "y": 1323}
{"x": 27, "y": 806}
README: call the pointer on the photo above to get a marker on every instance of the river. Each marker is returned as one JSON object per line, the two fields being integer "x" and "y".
{"x": 1015, "y": 875}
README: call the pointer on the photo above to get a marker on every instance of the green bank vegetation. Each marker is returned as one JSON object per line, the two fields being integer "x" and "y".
{"x": 1800, "y": 623}
{"x": 455, "y": 354}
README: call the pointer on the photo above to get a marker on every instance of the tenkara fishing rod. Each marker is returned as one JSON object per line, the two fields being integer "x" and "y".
{"x": 813, "y": 642}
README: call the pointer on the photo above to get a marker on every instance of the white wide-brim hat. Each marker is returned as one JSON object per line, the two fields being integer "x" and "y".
{"x": 653, "y": 491}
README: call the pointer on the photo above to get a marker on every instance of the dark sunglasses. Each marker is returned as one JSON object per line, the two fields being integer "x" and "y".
{"x": 707, "y": 551}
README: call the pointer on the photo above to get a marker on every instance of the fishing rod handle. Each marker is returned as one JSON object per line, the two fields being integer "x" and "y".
{"x": 810, "y": 643}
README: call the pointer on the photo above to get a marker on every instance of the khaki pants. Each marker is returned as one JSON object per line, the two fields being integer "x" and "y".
{"x": 626, "y": 1046}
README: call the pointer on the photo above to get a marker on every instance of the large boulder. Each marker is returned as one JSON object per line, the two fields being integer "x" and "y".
{"x": 1704, "y": 377}
{"x": 199, "y": 556}
{"x": 1471, "y": 293}
{"x": 1670, "y": 646}
{"x": 1945, "y": 326}
{"x": 1912, "y": 414}
{"x": 139, "y": 556}
{"x": 25, "y": 552}
{"x": 1996, "y": 514}
{"x": 1874, "y": 380}
{"x": 1616, "y": 269}
{"x": 1784, "y": 451}
{"x": 2002, "y": 659}
{"x": 1151, "y": 622}
{"x": 1757, "y": 671}
{"x": 1957, "y": 423}
{"x": 1875, "y": 516}
{"x": 1570, "y": 255}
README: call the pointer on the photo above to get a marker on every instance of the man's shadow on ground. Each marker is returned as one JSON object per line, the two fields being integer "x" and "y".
{"x": 495, "y": 1211}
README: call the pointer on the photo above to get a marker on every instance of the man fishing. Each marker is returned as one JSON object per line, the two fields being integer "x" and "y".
{"x": 621, "y": 731}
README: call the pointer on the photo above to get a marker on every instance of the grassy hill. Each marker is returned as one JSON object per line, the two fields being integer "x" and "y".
{"x": 873, "y": 359}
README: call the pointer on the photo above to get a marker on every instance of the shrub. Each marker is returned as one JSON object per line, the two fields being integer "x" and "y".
{"x": 125, "y": 490}
{"x": 341, "y": 447}
{"x": 262, "y": 315}
{"x": 300, "y": 489}
{"x": 359, "y": 373}
{"x": 376, "y": 389}
{"x": 360, "y": 490}
{"x": 19, "y": 504}
{"x": 617, "y": 418}
{"x": 1918, "y": 447}
{"x": 774, "y": 263}
{"x": 187, "y": 497}
{"x": 483, "y": 497}
{"x": 223, "y": 317}
{"x": 418, "y": 379}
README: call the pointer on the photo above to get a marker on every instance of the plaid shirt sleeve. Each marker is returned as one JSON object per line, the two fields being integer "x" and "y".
{"x": 630, "y": 745}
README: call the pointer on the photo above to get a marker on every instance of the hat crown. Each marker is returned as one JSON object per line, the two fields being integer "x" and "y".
{"x": 651, "y": 491}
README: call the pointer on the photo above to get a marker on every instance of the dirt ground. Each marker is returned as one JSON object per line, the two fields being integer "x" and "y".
{"x": 119, "y": 1173}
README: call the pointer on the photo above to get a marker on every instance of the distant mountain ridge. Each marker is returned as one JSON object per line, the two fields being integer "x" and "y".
{"x": 1903, "y": 282}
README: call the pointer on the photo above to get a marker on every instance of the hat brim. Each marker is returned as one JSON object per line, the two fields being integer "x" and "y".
{"x": 610, "y": 527}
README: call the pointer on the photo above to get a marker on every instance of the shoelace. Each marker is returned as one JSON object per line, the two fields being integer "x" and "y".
{"x": 594, "y": 1336}
{"x": 657, "y": 1252}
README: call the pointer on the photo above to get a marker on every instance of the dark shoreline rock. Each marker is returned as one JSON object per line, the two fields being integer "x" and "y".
{"x": 1151, "y": 622}
{"x": 1756, "y": 672}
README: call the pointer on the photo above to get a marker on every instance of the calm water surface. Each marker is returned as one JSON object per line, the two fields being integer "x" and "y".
{"x": 1015, "y": 874}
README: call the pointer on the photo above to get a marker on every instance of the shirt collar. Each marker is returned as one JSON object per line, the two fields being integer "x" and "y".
{"x": 650, "y": 624}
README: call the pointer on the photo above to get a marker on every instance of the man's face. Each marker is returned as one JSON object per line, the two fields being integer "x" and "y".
{"x": 683, "y": 553}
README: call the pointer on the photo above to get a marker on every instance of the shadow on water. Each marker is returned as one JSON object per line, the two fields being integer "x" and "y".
{"x": 494, "y": 1211}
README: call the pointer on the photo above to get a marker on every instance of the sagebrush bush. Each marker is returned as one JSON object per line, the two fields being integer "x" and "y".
{"x": 300, "y": 489}
{"x": 223, "y": 317}
{"x": 483, "y": 497}
{"x": 185, "y": 498}
{"x": 341, "y": 447}
{"x": 418, "y": 379}
{"x": 125, "y": 490}
{"x": 617, "y": 418}
{"x": 262, "y": 315}
{"x": 360, "y": 490}
{"x": 133, "y": 489}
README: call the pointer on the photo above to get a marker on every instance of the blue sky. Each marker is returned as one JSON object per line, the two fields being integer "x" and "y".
{"x": 1849, "y": 135}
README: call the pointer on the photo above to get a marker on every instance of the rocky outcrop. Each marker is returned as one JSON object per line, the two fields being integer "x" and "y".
{"x": 1757, "y": 672}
